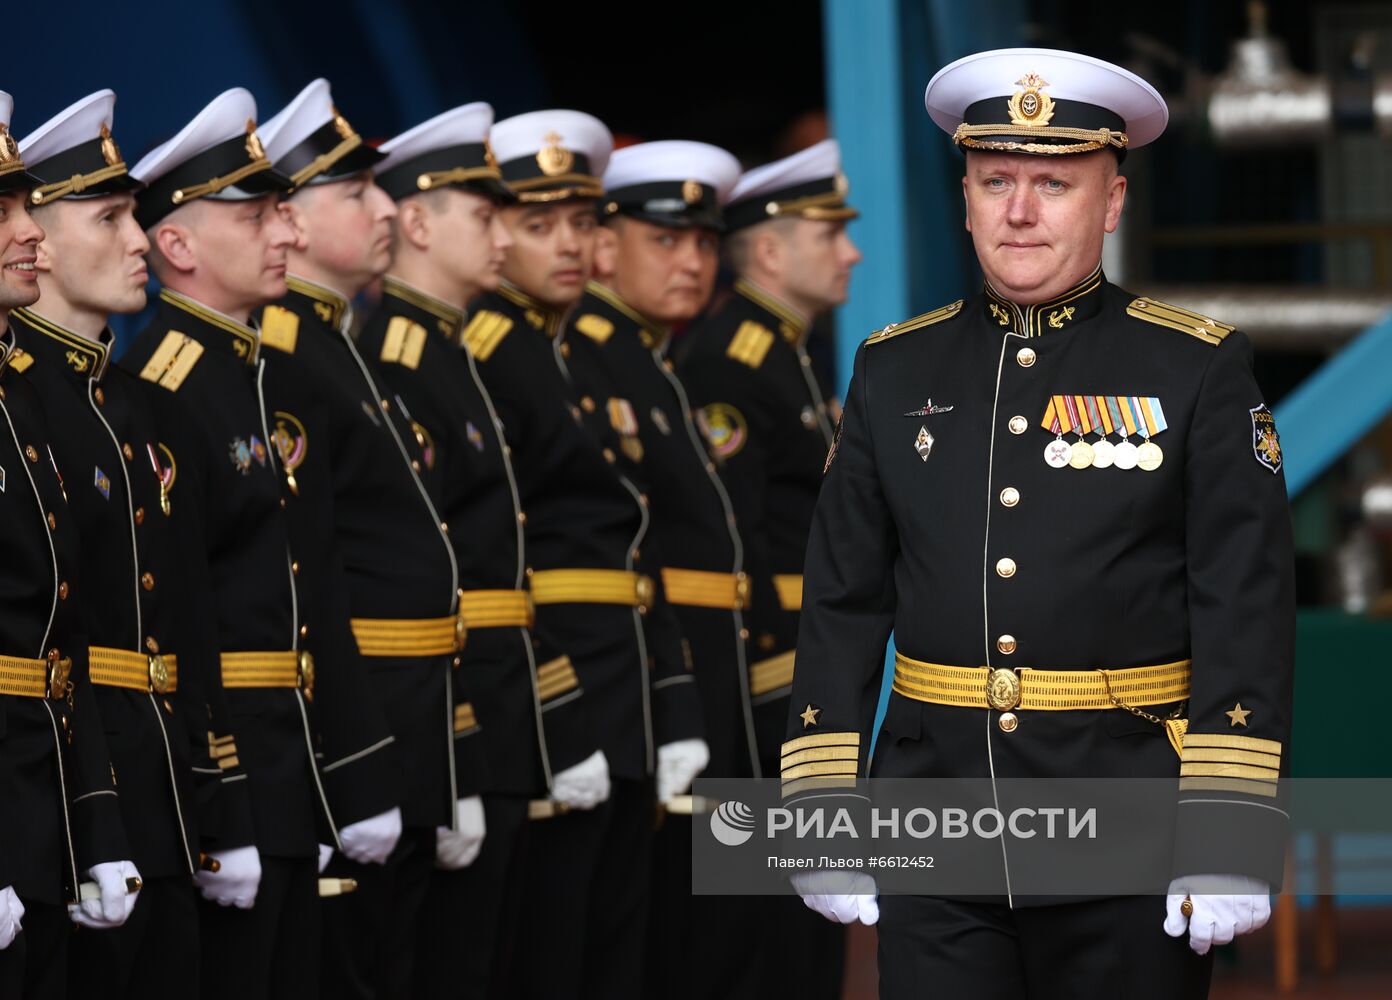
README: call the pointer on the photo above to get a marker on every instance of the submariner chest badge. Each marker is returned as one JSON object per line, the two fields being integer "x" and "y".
{"x": 923, "y": 444}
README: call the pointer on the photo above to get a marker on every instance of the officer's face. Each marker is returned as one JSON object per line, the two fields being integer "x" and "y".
{"x": 553, "y": 249}
{"x": 19, "y": 238}
{"x": 92, "y": 259}
{"x": 344, "y": 232}
{"x": 1037, "y": 221}
{"x": 817, "y": 268}
{"x": 666, "y": 273}
{"x": 469, "y": 235}
{"x": 228, "y": 254}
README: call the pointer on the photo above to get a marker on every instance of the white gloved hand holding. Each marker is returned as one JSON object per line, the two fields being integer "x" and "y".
{"x": 583, "y": 785}
{"x": 841, "y": 896}
{"x": 115, "y": 902}
{"x": 1224, "y": 907}
{"x": 457, "y": 848}
{"x": 11, "y": 912}
{"x": 325, "y": 853}
{"x": 678, "y": 763}
{"x": 370, "y": 841}
{"x": 236, "y": 880}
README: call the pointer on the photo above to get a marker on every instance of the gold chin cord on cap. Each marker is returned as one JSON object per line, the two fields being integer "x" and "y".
{"x": 1088, "y": 139}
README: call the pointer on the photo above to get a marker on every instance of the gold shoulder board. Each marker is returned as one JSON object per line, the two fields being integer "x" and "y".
{"x": 172, "y": 360}
{"x": 597, "y": 328}
{"x": 20, "y": 360}
{"x": 1210, "y": 331}
{"x": 485, "y": 332}
{"x": 917, "y": 323}
{"x": 404, "y": 342}
{"x": 280, "y": 328}
{"x": 750, "y": 344}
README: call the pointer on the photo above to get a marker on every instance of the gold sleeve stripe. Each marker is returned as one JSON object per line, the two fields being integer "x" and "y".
{"x": 814, "y": 784}
{"x": 556, "y": 677}
{"x": 485, "y": 332}
{"x": 1207, "y": 755}
{"x": 750, "y": 343}
{"x": 772, "y": 674}
{"x": 1228, "y": 771}
{"x": 917, "y": 323}
{"x": 822, "y": 753}
{"x": 1210, "y": 331}
{"x": 172, "y": 360}
{"x": 822, "y": 769}
{"x": 228, "y": 762}
{"x": 1262, "y": 789}
{"x": 822, "y": 740}
{"x": 1225, "y": 742}
{"x": 464, "y": 718}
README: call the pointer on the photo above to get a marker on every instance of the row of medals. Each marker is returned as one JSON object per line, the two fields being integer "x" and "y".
{"x": 1102, "y": 454}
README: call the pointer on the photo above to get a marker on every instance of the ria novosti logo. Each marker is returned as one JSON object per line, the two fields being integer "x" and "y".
{"x": 732, "y": 823}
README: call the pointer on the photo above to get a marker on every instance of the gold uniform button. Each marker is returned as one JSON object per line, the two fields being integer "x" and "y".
{"x": 1010, "y": 496}
{"x": 128, "y": 451}
{"x": 1025, "y": 357}
{"x": 1005, "y": 568}
{"x": 147, "y": 580}
{"x": 1008, "y": 722}
{"x": 1006, "y": 644}
{"x": 565, "y": 350}
{"x": 31, "y": 453}
{"x": 140, "y": 515}
{"x": 609, "y": 455}
{"x": 522, "y": 518}
{"x": 415, "y": 465}
{"x": 587, "y": 404}
{"x": 99, "y": 396}
{"x": 386, "y": 406}
{"x": 444, "y": 528}
{"x": 63, "y": 591}
{"x": 1018, "y": 425}
{"x": 295, "y": 567}
{"x": 52, "y": 521}
{"x": 304, "y": 631}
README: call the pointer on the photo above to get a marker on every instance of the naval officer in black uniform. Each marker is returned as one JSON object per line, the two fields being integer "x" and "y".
{"x": 355, "y": 465}
{"x": 450, "y": 246}
{"x": 218, "y": 245}
{"x": 153, "y": 667}
{"x": 1067, "y": 503}
{"x": 62, "y": 838}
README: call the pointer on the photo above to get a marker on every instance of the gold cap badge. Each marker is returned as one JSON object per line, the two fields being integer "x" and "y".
{"x": 553, "y": 159}
{"x": 111, "y": 153}
{"x": 692, "y": 191}
{"x": 253, "y": 142}
{"x": 9, "y": 149}
{"x": 1031, "y": 107}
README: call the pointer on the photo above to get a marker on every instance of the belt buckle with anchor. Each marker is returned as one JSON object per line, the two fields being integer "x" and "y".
{"x": 159, "y": 674}
{"x": 1003, "y": 694}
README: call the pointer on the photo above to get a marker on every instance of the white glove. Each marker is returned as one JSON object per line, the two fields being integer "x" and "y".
{"x": 325, "y": 853}
{"x": 455, "y": 849}
{"x": 370, "y": 841}
{"x": 583, "y": 785}
{"x": 842, "y": 897}
{"x": 236, "y": 880}
{"x": 11, "y": 912}
{"x": 112, "y": 903}
{"x": 1241, "y": 905}
{"x": 677, "y": 766}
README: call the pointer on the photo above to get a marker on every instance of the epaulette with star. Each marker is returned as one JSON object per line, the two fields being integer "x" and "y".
{"x": 917, "y": 323}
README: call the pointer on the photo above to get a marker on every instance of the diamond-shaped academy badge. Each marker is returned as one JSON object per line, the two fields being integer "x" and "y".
{"x": 923, "y": 444}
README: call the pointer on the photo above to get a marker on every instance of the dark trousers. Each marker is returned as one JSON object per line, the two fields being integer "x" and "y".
{"x": 272, "y": 950}
{"x": 35, "y": 965}
{"x": 152, "y": 956}
{"x": 1106, "y": 949}
{"x": 368, "y": 934}
{"x": 585, "y": 916}
{"x": 467, "y": 929}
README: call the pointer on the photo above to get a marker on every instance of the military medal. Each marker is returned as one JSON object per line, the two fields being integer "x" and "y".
{"x": 1081, "y": 457}
{"x": 1149, "y": 456}
{"x": 1057, "y": 453}
{"x": 1150, "y": 420}
{"x": 1125, "y": 455}
{"x": 1102, "y": 449}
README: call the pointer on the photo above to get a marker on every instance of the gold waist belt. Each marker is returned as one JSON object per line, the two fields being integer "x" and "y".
{"x": 497, "y": 608}
{"x": 789, "y": 587}
{"x": 410, "y": 636}
{"x": 24, "y": 678}
{"x": 280, "y": 669}
{"x": 592, "y": 586}
{"x": 699, "y": 588}
{"x": 1040, "y": 690}
{"x": 125, "y": 668}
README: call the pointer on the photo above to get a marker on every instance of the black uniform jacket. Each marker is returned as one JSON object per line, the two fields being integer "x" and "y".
{"x": 60, "y": 815}
{"x": 941, "y": 519}
{"x": 618, "y": 358}
{"x": 580, "y": 513}
{"x": 227, "y": 479}
{"x": 467, "y": 465}
{"x": 139, "y": 599}
{"x": 751, "y": 380}
{"x": 358, "y": 503}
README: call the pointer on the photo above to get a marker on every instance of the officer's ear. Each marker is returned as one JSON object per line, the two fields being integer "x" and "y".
{"x": 293, "y": 213}
{"x": 174, "y": 247}
{"x": 1116, "y": 200}
{"x": 769, "y": 249}
{"x": 606, "y": 251}
{"x": 413, "y": 223}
